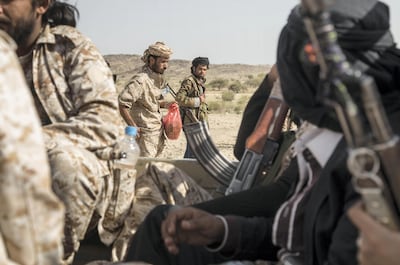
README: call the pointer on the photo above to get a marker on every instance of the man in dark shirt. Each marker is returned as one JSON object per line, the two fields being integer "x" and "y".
{"x": 319, "y": 229}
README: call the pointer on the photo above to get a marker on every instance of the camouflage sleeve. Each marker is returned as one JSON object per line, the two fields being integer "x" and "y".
{"x": 187, "y": 96}
{"x": 31, "y": 226}
{"x": 96, "y": 121}
{"x": 131, "y": 93}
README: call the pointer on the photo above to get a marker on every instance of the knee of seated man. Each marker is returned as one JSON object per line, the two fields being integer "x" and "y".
{"x": 159, "y": 211}
{"x": 158, "y": 214}
{"x": 71, "y": 166}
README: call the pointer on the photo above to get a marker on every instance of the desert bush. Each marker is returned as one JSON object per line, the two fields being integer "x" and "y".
{"x": 216, "y": 106}
{"x": 254, "y": 82}
{"x": 218, "y": 83}
{"x": 236, "y": 86}
{"x": 227, "y": 106}
{"x": 228, "y": 96}
{"x": 243, "y": 100}
{"x": 238, "y": 108}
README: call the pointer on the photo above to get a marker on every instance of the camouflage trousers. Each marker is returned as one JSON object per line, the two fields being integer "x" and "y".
{"x": 151, "y": 143}
{"x": 78, "y": 180}
{"x": 161, "y": 183}
{"x": 115, "y": 203}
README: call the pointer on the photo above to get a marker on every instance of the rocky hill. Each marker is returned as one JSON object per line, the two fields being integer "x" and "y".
{"x": 125, "y": 65}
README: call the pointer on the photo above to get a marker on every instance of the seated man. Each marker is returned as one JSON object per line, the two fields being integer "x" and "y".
{"x": 28, "y": 205}
{"x": 76, "y": 100}
{"x": 304, "y": 216}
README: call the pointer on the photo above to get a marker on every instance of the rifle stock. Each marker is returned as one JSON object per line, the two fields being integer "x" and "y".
{"x": 262, "y": 145}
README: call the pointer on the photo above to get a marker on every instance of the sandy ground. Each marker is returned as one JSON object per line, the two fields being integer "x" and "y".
{"x": 223, "y": 131}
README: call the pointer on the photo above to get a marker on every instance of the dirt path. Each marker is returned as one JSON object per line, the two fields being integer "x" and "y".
{"x": 223, "y": 131}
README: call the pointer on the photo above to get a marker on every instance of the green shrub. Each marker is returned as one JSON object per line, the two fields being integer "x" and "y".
{"x": 228, "y": 96}
{"x": 218, "y": 83}
{"x": 243, "y": 100}
{"x": 216, "y": 106}
{"x": 253, "y": 82}
{"x": 236, "y": 86}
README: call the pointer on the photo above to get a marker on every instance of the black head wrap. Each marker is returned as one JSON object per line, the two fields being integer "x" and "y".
{"x": 200, "y": 61}
{"x": 364, "y": 35}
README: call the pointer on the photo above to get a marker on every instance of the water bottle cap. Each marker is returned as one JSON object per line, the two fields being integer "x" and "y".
{"x": 131, "y": 130}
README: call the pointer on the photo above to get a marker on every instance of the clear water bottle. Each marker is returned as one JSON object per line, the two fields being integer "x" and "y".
{"x": 127, "y": 150}
{"x": 122, "y": 183}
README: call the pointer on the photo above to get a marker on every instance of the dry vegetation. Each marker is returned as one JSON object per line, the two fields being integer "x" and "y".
{"x": 225, "y": 105}
{"x": 124, "y": 66}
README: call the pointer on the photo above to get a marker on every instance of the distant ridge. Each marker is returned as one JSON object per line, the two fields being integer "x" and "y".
{"x": 126, "y": 65}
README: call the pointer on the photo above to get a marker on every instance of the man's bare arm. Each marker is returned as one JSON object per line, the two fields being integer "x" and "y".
{"x": 124, "y": 111}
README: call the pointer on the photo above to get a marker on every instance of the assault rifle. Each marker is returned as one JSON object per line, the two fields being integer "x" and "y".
{"x": 206, "y": 152}
{"x": 374, "y": 150}
{"x": 262, "y": 145}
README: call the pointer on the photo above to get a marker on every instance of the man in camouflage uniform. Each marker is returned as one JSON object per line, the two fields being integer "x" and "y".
{"x": 76, "y": 99}
{"x": 141, "y": 99}
{"x": 192, "y": 96}
{"x": 32, "y": 217}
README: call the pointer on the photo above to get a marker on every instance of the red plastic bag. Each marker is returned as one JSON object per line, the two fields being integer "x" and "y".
{"x": 172, "y": 122}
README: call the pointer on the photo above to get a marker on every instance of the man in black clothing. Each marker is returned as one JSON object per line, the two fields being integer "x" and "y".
{"x": 316, "y": 203}
{"x": 253, "y": 111}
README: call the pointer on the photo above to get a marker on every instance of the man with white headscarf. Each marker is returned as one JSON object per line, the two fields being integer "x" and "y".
{"x": 140, "y": 101}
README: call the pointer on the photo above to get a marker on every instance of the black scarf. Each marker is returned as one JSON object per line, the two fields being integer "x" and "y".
{"x": 364, "y": 35}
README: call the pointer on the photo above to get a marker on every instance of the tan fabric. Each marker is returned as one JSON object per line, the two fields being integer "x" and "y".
{"x": 32, "y": 217}
{"x": 118, "y": 202}
{"x": 158, "y": 49}
{"x": 75, "y": 87}
{"x": 141, "y": 96}
{"x": 152, "y": 143}
{"x": 161, "y": 183}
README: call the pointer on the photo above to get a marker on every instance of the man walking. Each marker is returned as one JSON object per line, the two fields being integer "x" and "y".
{"x": 192, "y": 95}
{"x": 141, "y": 100}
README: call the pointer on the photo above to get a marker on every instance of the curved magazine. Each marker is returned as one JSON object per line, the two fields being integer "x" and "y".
{"x": 207, "y": 154}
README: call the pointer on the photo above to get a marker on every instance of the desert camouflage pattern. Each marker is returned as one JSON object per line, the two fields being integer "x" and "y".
{"x": 152, "y": 143}
{"x": 32, "y": 217}
{"x": 191, "y": 89}
{"x": 119, "y": 202}
{"x": 75, "y": 87}
{"x": 141, "y": 96}
{"x": 160, "y": 183}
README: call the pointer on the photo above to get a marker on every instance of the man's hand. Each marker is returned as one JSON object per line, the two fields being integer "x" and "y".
{"x": 202, "y": 98}
{"x": 377, "y": 245}
{"x": 165, "y": 104}
{"x": 190, "y": 226}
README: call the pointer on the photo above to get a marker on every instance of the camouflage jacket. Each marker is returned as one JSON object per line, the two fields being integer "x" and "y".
{"x": 188, "y": 97}
{"x": 141, "y": 95}
{"x": 76, "y": 89}
{"x": 32, "y": 217}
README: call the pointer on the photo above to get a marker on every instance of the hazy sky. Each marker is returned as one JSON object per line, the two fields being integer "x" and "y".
{"x": 226, "y": 31}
